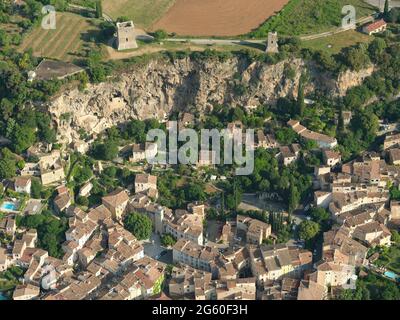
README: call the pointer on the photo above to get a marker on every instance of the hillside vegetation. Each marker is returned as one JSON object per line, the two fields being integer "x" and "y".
{"x": 300, "y": 17}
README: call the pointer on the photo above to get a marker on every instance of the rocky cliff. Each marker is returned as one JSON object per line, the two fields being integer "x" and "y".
{"x": 162, "y": 86}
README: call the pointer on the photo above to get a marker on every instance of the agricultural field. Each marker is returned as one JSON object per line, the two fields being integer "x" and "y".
{"x": 65, "y": 42}
{"x": 335, "y": 43}
{"x": 144, "y": 13}
{"x": 300, "y": 17}
{"x": 217, "y": 17}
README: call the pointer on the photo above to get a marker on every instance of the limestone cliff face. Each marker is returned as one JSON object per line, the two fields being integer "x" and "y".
{"x": 161, "y": 86}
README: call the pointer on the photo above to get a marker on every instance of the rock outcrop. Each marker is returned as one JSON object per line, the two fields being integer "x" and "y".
{"x": 161, "y": 86}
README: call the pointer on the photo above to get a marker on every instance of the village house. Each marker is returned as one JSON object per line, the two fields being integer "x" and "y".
{"x": 391, "y": 140}
{"x": 344, "y": 202}
{"x": 186, "y": 226}
{"x": 310, "y": 290}
{"x": 51, "y": 168}
{"x": 146, "y": 183}
{"x": 323, "y": 141}
{"x": 338, "y": 245}
{"x": 20, "y": 253}
{"x": 207, "y": 158}
{"x": 334, "y": 274}
{"x": 31, "y": 169}
{"x": 62, "y": 200}
{"x": 395, "y": 210}
{"x": 265, "y": 141}
{"x": 274, "y": 262}
{"x": 187, "y": 282}
{"x": 237, "y": 289}
{"x": 81, "y": 229}
{"x": 116, "y": 202}
{"x": 26, "y": 292}
{"x": 8, "y": 225}
{"x": 84, "y": 191}
{"x": 142, "y": 152}
{"x": 235, "y": 128}
{"x": 23, "y": 185}
{"x": 197, "y": 208}
{"x": 394, "y": 156}
{"x": 5, "y": 261}
{"x": 285, "y": 289}
{"x": 194, "y": 255}
{"x": 375, "y": 27}
{"x": 255, "y": 231}
{"x": 289, "y": 154}
{"x": 373, "y": 234}
{"x": 331, "y": 158}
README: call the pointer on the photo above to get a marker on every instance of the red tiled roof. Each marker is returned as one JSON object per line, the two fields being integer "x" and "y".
{"x": 375, "y": 25}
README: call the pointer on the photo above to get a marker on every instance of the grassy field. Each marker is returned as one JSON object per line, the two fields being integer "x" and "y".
{"x": 335, "y": 43}
{"x": 301, "y": 17}
{"x": 63, "y": 43}
{"x": 143, "y": 12}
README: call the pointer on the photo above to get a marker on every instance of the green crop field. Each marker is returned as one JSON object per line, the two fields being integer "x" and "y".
{"x": 65, "y": 41}
{"x": 144, "y": 13}
{"x": 300, "y": 17}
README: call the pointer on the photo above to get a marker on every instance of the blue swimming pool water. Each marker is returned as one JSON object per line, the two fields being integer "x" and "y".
{"x": 3, "y": 297}
{"x": 391, "y": 275}
{"x": 8, "y": 206}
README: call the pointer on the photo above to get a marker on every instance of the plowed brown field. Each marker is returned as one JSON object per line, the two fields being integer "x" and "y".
{"x": 217, "y": 17}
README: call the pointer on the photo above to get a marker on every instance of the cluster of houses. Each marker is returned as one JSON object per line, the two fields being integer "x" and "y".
{"x": 102, "y": 260}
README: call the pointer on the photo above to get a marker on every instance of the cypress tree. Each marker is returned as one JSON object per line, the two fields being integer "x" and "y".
{"x": 300, "y": 95}
{"x": 99, "y": 9}
{"x": 386, "y": 9}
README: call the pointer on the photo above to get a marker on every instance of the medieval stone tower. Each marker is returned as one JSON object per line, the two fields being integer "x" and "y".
{"x": 272, "y": 43}
{"x": 126, "y": 38}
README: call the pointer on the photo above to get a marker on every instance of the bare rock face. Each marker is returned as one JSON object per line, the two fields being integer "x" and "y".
{"x": 154, "y": 90}
{"x": 349, "y": 79}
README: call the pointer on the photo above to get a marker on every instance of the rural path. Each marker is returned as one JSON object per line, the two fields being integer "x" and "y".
{"x": 334, "y": 31}
{"x": 210, "y": 41}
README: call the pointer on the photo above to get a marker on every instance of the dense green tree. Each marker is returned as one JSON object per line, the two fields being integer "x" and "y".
{"x": 23, "y": 137}
{"x": 136, "y": 131}
{"x": 51, "y": 231}
{"x": 319, "y": 215}
{"x": 139, "y": 225}
{"x": 82, "y": 201}
{"x": 160, "y": 35}
{"x": 308, "y": 230}
{"x": 8, "y": 166}
{"x": 386, "y": 9}
{"x": 36, "y": 189}
{"x": 105, "y": 151}
{"x": 167, "y": 240}
{"x": 356, "y": 58}
{"x": 294, "y": 197}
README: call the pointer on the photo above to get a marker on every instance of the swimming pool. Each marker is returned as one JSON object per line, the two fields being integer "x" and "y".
{"x": 3, "y": 297}
{"x": 9, "y": 206}
{"x": 391, "y": 275}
